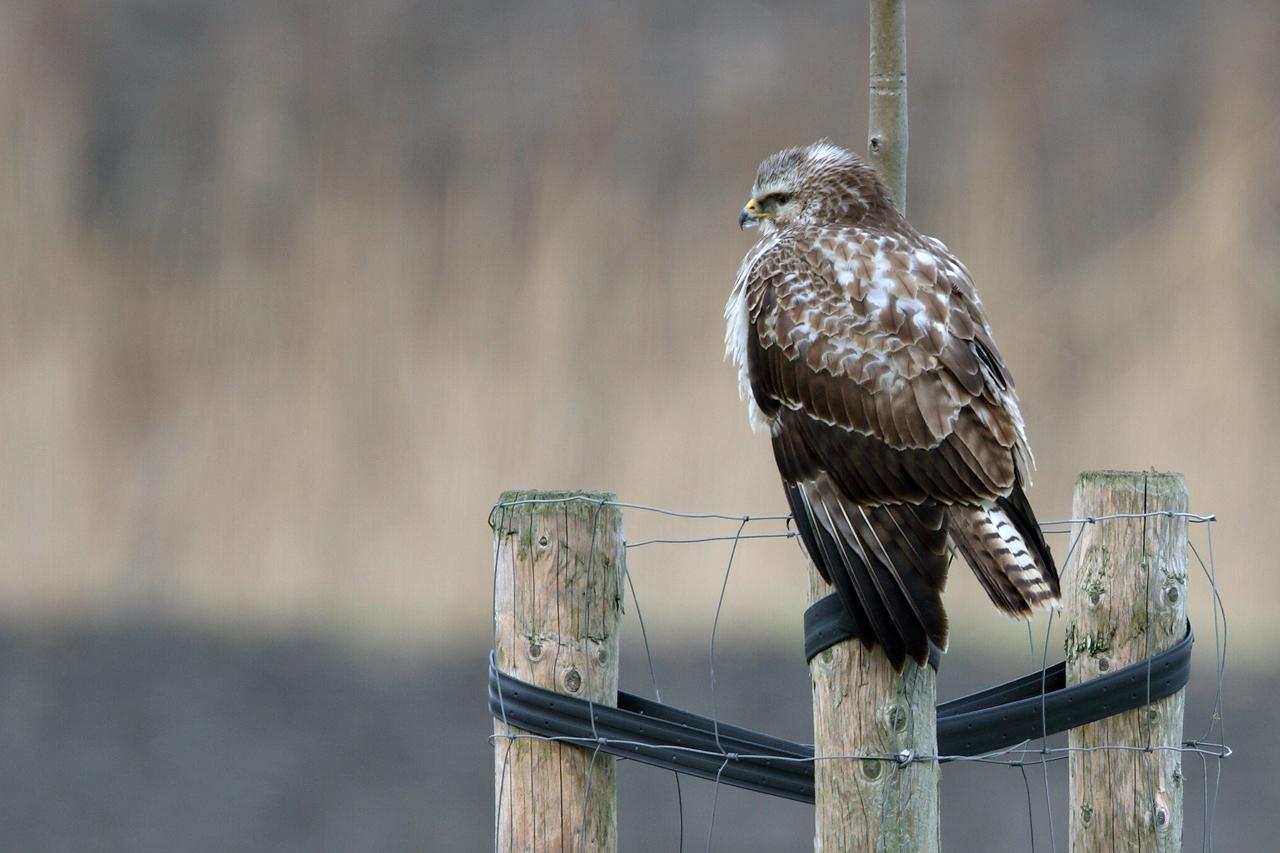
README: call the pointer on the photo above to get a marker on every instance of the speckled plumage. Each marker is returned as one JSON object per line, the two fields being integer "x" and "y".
{"x": 863, "y": 347}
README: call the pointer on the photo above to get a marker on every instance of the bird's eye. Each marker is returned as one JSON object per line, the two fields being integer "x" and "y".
{"x": 781, "y": 199}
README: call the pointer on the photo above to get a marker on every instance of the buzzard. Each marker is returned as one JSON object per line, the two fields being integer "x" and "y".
{"x": 862, "y": 346}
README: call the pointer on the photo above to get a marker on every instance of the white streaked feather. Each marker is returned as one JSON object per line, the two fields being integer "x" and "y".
{"x": 736, "y": 329}
{"x": 824, "y": 150}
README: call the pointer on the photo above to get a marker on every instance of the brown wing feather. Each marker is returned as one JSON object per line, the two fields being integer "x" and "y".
{"x": 887, "y": 563}
{"x": 875, "y": 335}
{"x": 870, "y": 356}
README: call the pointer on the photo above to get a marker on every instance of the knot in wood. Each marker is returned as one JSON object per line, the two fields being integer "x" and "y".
{"x": 898, "y": 718}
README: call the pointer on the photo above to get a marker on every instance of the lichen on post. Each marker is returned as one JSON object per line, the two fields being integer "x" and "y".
{"x": 559, "y": 560}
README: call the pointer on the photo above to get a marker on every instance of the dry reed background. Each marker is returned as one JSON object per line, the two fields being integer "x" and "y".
{"x": 292, "y": 291}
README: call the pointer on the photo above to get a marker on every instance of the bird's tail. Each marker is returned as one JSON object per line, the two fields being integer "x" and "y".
{"x": 887, "y": 563}
{"x": 1003, "y": 545}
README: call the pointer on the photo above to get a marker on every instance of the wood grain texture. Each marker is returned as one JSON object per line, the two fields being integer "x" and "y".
{"x": 557, "y": 603}
{"x": 862, "y": 707}
{"x": 1125, "y": 601}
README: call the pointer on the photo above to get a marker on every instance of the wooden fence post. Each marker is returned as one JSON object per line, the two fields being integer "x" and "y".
{"x": 1127, "y": 600}
{"x": 557, "y": 602}
{"x": 860, "y": 705}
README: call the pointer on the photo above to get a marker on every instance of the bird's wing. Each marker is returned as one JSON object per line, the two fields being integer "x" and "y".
{"x": 878, "y": 348}
{"x": 871, "y": 358}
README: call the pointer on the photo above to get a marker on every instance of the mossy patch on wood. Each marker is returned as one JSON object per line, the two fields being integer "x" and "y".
{"x": 1089, "y": 644}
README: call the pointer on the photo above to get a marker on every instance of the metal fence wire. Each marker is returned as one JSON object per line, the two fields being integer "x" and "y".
{"x": 736, "y": 531}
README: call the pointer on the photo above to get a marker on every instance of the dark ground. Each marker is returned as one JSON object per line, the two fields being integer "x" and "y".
{"x": 162, "y": 740}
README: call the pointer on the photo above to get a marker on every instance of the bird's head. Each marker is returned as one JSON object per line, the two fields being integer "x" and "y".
{"x": 815, "y": 184}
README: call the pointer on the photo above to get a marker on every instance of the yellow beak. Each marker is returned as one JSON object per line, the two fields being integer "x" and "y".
{"x": 750, "y": 215}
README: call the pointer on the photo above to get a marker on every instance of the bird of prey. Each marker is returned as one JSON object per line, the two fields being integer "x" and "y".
{"x": 862, "y": 346}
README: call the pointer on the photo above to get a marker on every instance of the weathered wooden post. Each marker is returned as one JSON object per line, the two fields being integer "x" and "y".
{"x": 860, "y": 705}
{"x": 1127, "y": 600}
{"x": 557, "y": 602}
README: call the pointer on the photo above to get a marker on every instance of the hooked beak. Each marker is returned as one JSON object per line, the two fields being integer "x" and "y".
{"x": 750, "y": 215}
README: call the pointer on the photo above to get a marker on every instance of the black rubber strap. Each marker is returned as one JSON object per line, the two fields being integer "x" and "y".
{"x": 828, "y": 621}
{"x": 1033, "y": 706}
{"x": 660, "y": 735}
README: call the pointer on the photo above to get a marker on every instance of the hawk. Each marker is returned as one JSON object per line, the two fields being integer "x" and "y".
{"x": 862, "y": 346}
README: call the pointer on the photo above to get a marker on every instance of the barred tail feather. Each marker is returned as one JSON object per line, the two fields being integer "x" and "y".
{"x": 1003, "y": 545}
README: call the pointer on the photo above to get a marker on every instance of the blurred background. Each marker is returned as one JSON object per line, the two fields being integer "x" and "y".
{"x": 291, "y": 291}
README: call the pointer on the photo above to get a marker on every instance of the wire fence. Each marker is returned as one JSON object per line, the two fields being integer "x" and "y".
{"x": 1209, "y": 747}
